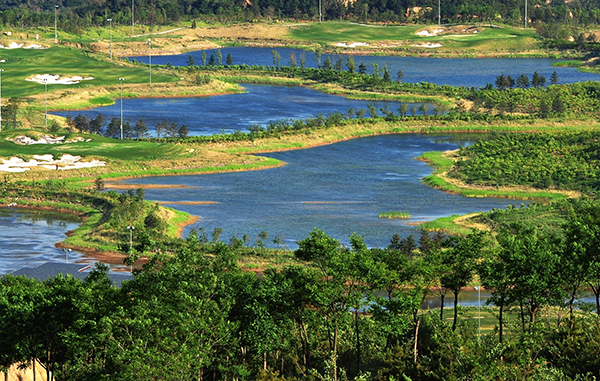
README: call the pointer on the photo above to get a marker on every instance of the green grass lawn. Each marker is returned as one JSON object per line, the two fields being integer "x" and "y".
{"x": 60, "y": 60}
{"x": 99, "y": 147}
{"x": 490, "y": 39}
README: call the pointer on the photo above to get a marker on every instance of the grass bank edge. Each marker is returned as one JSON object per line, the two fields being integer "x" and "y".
{"x": 442, "y": 163}
{"x": 90, "y": 220}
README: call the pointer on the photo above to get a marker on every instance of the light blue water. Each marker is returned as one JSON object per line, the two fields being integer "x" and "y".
{"x": 28, "y": 238}
{"x": 466, "y": 72}
{"x": 339, "y": 188}
{"x": 227, "y": 113}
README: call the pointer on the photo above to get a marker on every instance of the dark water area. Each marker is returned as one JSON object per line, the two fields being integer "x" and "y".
{"x": 468, "y": 72}
{"x": 27, "y": 238}
{"x": 339, "y": 188}
{"x": 227, "y": 113}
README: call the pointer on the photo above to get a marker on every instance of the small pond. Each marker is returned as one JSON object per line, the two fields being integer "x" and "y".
{"x": 28, "y": 238}
{"x": 468, "y": 72}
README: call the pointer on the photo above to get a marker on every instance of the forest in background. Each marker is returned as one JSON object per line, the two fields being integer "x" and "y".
{"x": 74, "y": 15}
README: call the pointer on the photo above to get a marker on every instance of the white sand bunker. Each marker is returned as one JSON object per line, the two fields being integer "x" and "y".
{"x": 56, "y": 79}
{"x": 15, "y": 164}
{"x": 426, "y": 33}
{"x": 351, "y": 44}
{"x": 14, "y": 45}
{"x": 44, "y": 139}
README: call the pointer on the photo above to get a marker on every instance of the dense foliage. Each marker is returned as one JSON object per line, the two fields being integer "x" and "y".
{"x": 196, "y": 315}
{"x": 77, "y": 14}
{"x": 563, "y": 161}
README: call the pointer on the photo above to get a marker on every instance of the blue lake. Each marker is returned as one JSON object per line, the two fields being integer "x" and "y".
{"x": 340, "y": 188}
{"x": 227, "y": 113}
{"x": 468, "y": 72}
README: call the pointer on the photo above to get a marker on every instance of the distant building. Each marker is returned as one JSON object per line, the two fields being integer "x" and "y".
{"x": 77, "y": 270}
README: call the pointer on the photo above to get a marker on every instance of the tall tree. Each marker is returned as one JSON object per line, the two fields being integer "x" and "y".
{"x": 459, "y": 260}
{"x": 97, "y": 124}
{"x": 582, "y": 249}
{"x": 336, "y": 292}
{"x": 533, "y": 261}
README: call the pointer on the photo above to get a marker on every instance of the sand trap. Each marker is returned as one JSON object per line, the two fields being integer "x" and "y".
{"x": 45, "y": 139}
{"x": 66, "y": 162}
{"x": 14, "y": 45}
{"x": 56, "y": 79}
{"x": 351, "y": 44}
{"x": 426, "y": 33}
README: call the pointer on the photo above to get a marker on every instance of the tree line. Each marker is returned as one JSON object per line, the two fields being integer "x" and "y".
{"x": 343, "y": 312}
{"x": 74, "y": 16}
{"x": 83, "y": 14}
{"x": 114, "y": 128}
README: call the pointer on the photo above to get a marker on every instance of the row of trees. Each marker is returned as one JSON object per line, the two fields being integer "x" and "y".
{"x": 504, "y": 82}
{"x": 98, "y": 126}
{"x": 76, "y": 15}
{"x": 195, "y": 315}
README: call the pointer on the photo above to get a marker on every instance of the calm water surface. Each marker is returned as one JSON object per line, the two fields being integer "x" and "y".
{"x": 339, "y": 188}
{"x": 227, "y": 113}
{"x": 28, "y": 238}
{"x": 466, "y": 72}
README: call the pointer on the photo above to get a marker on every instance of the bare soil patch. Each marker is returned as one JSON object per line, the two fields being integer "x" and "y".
{"x": 187, "y": 39}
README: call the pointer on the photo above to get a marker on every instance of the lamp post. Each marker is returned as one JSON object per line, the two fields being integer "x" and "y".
{"x": 132, "y": 23}
{"x": 121, "y": 80}
{"x": 320, "y": 14}
{"x": 479, "y": 310}
{"x": 46, "y": 101}
{"x": 66, "y": 254}
{"x": 1, "y": 70}
{"x": 131, "y": 228}
{"x": 55, "y": 31}
{"x": 110, "y": 22}
{"x": 149, "y": 42}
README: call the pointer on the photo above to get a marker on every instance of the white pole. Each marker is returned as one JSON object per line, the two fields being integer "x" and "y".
{"x": 479, "y": 310}
{"x": 110, "y": 21}
{"x": 55, "y": 31}
{"x": 525, "y": 13}
{"x": 1, "y": 70}
{"x": 132, "y": 23}
{"x": 439, "y": 13}
{"x": 121, "y": 80}
{"x": 130, "y": 228}
{"x": 149, "y": 42}
{"x": 46, "y": 100}
{"x": 320, "y": 13}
